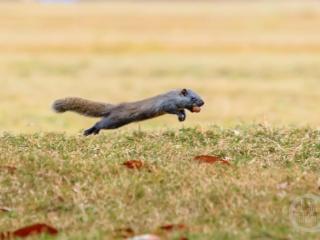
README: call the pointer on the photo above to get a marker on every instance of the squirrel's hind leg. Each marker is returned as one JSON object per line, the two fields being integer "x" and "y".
{"x": 93, "y": 130}
{"x": 105, "y": 123}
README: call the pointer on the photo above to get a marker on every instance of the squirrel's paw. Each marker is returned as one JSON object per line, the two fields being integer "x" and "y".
{"x": 181, "y": 117}
{"x": 90, "y": 131}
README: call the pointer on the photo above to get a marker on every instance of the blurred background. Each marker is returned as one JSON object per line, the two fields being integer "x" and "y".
{"x": 252, "y": 61}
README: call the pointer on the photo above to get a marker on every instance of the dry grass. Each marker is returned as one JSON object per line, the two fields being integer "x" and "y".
{"x": 79, "y": 184}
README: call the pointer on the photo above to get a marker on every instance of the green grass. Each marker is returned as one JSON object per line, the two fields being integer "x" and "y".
{"x": 79, "y": 184}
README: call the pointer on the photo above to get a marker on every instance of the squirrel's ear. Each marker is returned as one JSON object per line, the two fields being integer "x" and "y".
{"x": 184, "y": 92}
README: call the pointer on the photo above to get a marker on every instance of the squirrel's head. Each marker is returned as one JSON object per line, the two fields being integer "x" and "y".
{"x": 190, "y": 100}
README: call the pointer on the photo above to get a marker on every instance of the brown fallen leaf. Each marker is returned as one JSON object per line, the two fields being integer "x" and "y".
{"x": 211, "y": 159}
{"x": 134, "y": 164}
{"x": 171, "y": 227}
{"x": 38, "y": 228}
{"x": 27, "y": 231}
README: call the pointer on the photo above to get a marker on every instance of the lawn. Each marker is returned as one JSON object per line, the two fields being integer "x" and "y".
{"x": 256, "y": 65}
{"x": 81, "y": 186}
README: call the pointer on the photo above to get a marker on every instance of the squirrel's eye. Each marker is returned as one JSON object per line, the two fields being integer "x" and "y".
{"x": 193, "y": 99}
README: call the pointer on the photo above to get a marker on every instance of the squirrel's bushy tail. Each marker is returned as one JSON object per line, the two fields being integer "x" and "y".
{"x": 82, "y": 106}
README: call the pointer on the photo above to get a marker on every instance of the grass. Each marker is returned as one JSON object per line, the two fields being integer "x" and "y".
{"x": 256, "y": 64}
{"x": 80, "y": 185}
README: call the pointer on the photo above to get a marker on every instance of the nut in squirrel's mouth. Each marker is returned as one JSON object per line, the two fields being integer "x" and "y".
{"x": 195, "y": 109}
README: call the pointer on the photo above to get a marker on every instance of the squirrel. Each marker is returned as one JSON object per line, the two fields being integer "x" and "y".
{"x": 118, "y": 115}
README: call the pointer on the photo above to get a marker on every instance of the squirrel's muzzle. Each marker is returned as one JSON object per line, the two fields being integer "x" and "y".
{"x": 200, "y": 103}
{"x": 197, "y": 106}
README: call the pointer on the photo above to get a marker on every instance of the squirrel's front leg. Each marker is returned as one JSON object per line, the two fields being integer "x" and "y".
{"x": 181, "y": 115}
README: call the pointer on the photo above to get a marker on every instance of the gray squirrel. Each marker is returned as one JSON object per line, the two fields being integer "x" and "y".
{"x": 118, "y": 115}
